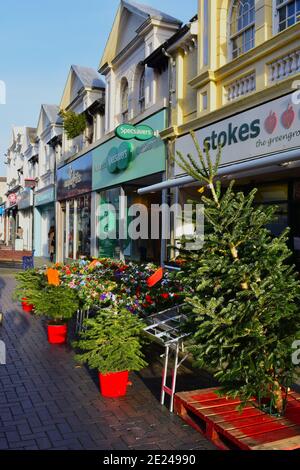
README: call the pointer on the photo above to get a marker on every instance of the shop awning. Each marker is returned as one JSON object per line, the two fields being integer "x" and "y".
{"x": 279, "y": 159}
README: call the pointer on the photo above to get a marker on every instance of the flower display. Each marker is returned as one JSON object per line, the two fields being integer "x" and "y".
{"x": 104, "y": 282}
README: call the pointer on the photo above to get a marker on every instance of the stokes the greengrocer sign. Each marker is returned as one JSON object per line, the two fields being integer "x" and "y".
{"x": 266, "y": 129}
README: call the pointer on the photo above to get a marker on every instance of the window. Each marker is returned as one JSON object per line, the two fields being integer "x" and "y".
{"x": 142, "y": 92}
{"x": 242, "y": 27}
{"x": 288, "y": 13}
{"x": 124, "y": 99}
{"x": 204, "y": 101}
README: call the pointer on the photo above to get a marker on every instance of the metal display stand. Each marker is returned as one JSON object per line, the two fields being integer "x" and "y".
{"x": 165, "y": 328}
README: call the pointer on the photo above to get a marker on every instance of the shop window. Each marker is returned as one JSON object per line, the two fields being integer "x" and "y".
{"x": 204, "y": 101}
{"x": 272, "y": 193}
{"x": 242, "y": 27}
{"x": 277, "y": 195}
{"x": 71, "y": 230}
{"x": 142, "y": 92}
{"x": 83, "y": 226}
{"x": 124, "y": 99}
{"x": 287, "y": 13}
{"x": 108, "y": 229}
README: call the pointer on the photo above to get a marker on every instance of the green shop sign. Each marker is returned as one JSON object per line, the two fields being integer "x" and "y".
{"x": 141, "y": 132}
{"x": 117, "y": 161}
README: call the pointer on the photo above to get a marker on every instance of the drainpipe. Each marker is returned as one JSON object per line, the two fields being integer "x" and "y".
{"x": 170, "y": 65}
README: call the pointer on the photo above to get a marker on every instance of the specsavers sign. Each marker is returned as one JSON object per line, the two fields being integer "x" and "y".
{"x": 266, "y": 129}
{"x": 118, "y": 161}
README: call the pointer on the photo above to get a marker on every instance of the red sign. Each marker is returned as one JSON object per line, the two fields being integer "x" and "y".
{"x": 30, "y": 183}
{"x": 155, "y": 278}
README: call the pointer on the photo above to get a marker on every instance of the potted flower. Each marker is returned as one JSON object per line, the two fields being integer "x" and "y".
{"x": 111, "y": 343}
{"x": 58, "y": 304}
{"x": 29, "y": 283}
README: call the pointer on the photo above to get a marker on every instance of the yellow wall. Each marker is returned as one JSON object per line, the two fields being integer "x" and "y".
{"x": 220, "y": 74}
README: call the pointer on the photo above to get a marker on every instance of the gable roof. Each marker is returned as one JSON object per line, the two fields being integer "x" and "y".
{"x": 51, "y": 111}
{"x": 144, "y": 13}
{"x": 149, "y": 12}
{"x": 87, "y": 78}
{"x": 31, "y": 133}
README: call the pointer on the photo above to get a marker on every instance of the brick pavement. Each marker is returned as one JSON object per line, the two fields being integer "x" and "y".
{"x": 48, "y": 402}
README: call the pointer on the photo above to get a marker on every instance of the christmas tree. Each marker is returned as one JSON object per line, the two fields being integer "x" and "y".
{"x": 244, "y": 310}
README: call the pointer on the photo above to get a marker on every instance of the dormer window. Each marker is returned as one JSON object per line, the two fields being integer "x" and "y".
{"x": 242, "y": 27}
{"x": 124, "y": 99}
{"x": 288, "y": 13}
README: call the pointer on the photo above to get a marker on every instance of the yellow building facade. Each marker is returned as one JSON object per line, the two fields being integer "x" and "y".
{"x": 236, "y": 83}
{"x": 227, "y": 82}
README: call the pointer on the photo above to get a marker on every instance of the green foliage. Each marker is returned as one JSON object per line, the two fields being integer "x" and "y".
{"x": 58, "y": 303}
{"x": 245, "y": 311}
{"x": 74, "y": 124}
{"x": 29, "y": 282}
{"x": 112, "y": 342}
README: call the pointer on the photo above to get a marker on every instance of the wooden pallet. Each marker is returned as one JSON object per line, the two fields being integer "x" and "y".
{"x": 218, "y": 419}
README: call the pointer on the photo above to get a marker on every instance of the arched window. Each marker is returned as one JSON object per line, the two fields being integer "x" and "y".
{"x": 287, "y": 13}
{"x": 242, "y": 27}
{"x": 142, "y": 92}
{"x": 124, "y": 99}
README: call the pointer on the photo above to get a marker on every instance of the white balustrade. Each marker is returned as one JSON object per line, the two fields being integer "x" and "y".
{"x": 241, "y": 87}
{"x": 284, "y": 67}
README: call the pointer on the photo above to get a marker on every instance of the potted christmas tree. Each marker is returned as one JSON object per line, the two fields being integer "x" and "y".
{"x": 111, "y": 343}
{"x": 29, "y": 283}
{"x": 58, "y": 304}
{"x": 245, "y": 310}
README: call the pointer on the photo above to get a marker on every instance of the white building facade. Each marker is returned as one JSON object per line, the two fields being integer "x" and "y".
{"x": 83, "y": 95}
{"x": 20, "y": 181}
{"x": 49, "y": 131}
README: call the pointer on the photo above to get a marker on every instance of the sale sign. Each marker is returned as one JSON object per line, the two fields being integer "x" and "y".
{"x": 264, "y": 130}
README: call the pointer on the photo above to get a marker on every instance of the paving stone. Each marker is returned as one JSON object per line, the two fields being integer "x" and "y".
{"x": 47, "y": 402}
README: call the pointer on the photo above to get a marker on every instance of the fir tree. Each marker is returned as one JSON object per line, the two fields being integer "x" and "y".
{"x": 112, "y": 341}
{"x": 245, "y": 306}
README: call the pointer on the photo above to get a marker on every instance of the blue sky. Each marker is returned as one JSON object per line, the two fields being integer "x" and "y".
{"x": 39, "y": 40}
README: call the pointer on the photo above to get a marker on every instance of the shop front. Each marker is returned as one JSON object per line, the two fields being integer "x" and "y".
{"x": 24, "y": 232}
{"x": 73, "y": 209}
{"x": 134, "y": 158}
{"x": 2, "y": 223}
{"x": 260, "y": 149}
{"x": 11, "y": 216}
{"x": 44, "y": 218}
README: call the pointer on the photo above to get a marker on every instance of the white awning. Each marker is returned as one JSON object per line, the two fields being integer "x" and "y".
{"x": 278, "y": 159}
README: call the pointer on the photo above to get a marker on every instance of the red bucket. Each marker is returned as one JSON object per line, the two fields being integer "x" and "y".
{"x": 113, "y": 385}
{"x": 57, "y": 334}
{"x": 26, "y": 307}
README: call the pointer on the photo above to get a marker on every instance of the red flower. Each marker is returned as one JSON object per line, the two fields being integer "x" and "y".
{"x": 149, "y": 299}
{"x": 165, "y": 296}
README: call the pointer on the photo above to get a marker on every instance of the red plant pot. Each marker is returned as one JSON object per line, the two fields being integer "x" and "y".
{"x": 27, "y": 307}
{"x": 113, "y": 385}
{"x": 57, "y": 334}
